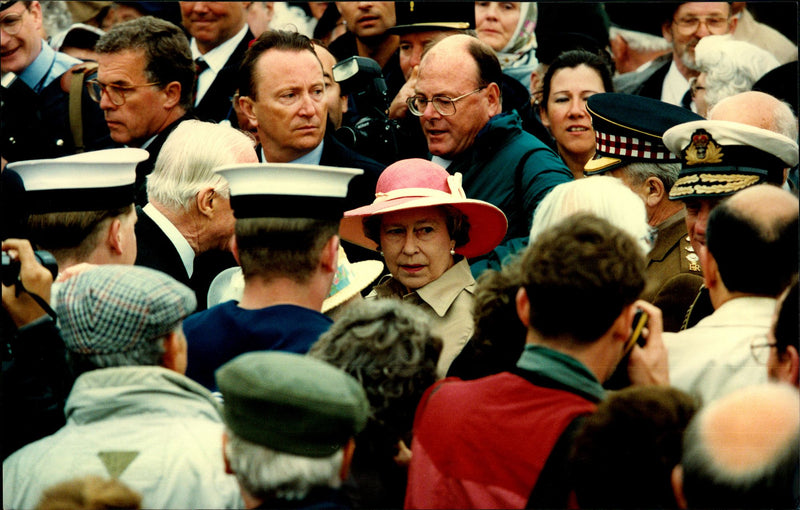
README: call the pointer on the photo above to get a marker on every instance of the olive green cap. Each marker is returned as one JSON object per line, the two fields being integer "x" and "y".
{"x": 291, "y": 403}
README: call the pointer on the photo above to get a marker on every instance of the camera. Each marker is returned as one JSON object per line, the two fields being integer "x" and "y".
{"x": 9, "y": 273}
{"x": 374, "y": 134}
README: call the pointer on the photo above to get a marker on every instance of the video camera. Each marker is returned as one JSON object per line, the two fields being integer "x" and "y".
{"x": 374, "y": 134}
{"x": 9, "y": 270}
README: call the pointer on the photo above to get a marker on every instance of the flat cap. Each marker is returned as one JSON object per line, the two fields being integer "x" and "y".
{"x": 291, "y": 403}
{"x": 719, "y": 158}
{"x": 114, "y": 308}
{"x": 630, "y": 128}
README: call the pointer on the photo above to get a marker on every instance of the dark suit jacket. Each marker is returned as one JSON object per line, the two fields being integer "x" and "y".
{"x": 144, "y": 168}
{"x": 155, "y": 250}
{"x": 216, "y": 103}
{"x": 648, "y": 82}
{"x": 335, "y": 153}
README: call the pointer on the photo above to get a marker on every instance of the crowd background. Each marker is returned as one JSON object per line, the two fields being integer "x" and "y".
{"x": 400, "y": 254}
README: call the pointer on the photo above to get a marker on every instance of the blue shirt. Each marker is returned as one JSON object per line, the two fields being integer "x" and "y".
{"x": 48, "y": 66}
{"x": 219, "y": 334}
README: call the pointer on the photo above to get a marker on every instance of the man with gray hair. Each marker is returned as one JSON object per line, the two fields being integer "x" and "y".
{"x": 290, "y": 422}
{"x": 186, "y": 228}
{"x": 144, "y": 85}
{"x": 131, "y": 414}
{"x": 629, "y": 147}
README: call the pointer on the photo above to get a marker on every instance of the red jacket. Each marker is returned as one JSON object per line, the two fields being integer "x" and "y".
{"x": 483, "y": 443}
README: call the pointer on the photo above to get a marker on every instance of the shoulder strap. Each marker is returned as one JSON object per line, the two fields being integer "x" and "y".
{"x": 79, "y": 74}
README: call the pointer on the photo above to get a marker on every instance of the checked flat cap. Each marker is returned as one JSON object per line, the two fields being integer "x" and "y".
{"x": 113, "y": 308}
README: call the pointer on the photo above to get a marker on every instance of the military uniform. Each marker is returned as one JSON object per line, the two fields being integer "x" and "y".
{"x": 34, "y": 111}
{"x": 673, "y": 272}
{"x": 629, "y": 130}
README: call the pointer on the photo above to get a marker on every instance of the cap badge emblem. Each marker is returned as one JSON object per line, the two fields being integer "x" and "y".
{"x": 703, "y": 149}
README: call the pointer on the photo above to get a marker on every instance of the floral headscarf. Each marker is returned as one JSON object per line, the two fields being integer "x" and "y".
{"x": 519, "y": 50}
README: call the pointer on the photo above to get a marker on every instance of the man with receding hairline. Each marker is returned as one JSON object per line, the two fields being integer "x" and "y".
{"x": 742, "y": 452}
{"x": 749, "y": 258}
{"x": 457, "y": 99}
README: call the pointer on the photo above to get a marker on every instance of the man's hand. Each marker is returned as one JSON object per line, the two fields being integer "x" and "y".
{"x": 35, "y": 278}
{"x": 649, "y": 364}
{"x": 399, "y": 108}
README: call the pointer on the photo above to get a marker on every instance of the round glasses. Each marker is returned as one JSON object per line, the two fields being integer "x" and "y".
{"x": 759, "y": 348}
{"x": 117, "y": 94}
{"x": 444, "y": 105}
{"x": 12, "y": 23}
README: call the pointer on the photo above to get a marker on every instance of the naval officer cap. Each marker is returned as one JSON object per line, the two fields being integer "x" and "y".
{"x": 285, "y": 190}
{"x": 291, "y": 403}
{"x": 719, "y": 158}
{"x": 92, "y": 181}
{"x": 630, "y": 129}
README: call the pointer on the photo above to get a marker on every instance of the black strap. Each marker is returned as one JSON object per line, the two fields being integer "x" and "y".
{"x": 554, "y": 484}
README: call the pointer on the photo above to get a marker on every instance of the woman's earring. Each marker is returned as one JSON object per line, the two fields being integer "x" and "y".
{"x": 381, "y": 253}
{"x": 452, "y": 252}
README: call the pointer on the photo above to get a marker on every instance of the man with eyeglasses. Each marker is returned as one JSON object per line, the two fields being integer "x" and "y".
{"x": 144, "y": 86}
{"x": 749, "y": 258}
{"x": 457, "y": 99}
{"x": 684, "y": 25}
{"x": 35, "y": 112}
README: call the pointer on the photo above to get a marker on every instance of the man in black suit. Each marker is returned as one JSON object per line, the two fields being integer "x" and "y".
{"x": 684, "y": 24}
{"x": 144, "y": 86}
{"x": 186, "y": 229}
{"x": 282, "y": 92}
{"x": 220, "y": 37}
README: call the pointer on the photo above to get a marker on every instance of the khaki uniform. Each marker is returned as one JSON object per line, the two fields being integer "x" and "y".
{"x": 673, "y": 272}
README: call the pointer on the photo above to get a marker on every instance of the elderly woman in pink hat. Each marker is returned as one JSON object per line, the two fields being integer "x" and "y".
{"x": 426, "y": 228}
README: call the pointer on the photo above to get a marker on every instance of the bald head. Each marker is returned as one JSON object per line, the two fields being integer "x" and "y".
{"x": 767, "y": 205}
{"x": 742, "y": 450}
{"x": 752, "y": 236}
{"x": 757, "y": 109}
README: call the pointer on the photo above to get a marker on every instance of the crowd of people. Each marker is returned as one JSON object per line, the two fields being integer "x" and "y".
{"x": 400, "y": 255}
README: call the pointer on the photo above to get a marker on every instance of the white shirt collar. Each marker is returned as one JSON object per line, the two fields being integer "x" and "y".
{"x": 185, "y": 250}
{"x": 441, "y": 161}
{"x": 312, "y": 158}
{"x": 215, "y": 59}
{"x": 675, "y": 86}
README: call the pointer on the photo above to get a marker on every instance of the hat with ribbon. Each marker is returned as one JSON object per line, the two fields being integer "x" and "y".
{"x": 349, "y": 280}
{"x": 287, "y": 190}
{"x": 630, "y": 128}
{"x": 91, "y": 181}
{"x": 719, "y": 158}
{"x": 417, "y": 183}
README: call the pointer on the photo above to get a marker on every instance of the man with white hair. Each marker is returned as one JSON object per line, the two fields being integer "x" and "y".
{"x": 290, "y": 422}
{"x": 189, "y": 211}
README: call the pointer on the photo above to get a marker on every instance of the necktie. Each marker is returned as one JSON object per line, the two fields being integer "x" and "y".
{"x": 200, "y": 65}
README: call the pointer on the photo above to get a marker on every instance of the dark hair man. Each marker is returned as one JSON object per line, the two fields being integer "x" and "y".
{"x": 472, "y": 444}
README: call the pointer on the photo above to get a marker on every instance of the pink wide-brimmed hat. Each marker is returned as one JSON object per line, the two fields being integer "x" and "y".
{"x": 416, "y": 183}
